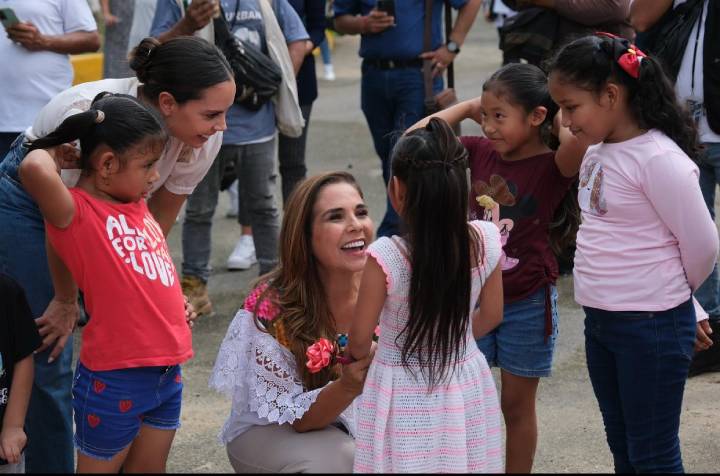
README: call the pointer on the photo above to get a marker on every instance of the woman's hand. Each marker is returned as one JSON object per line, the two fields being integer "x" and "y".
{"x": 353, "y": 375}
{"x": 190, "y": 314}
{"x": 56, "y": 325}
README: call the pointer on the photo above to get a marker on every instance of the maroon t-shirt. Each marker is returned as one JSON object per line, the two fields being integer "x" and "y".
{"x": 526, "y": 192}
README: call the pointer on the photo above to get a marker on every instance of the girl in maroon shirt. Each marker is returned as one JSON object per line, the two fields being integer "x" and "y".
{"x": 518, "y": 182}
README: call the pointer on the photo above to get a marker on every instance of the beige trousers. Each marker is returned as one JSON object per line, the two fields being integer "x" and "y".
{"x": 280, "y": 449}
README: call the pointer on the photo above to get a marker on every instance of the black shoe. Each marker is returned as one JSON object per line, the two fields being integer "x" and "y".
{"x": 707, "y": 360}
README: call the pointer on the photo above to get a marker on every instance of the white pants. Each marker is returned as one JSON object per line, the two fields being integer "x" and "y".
{"x": 280, "y": 449}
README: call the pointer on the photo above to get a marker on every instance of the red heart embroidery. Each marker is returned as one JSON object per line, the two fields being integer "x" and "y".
{"x": 125, "y": 405}
{"x": 93, "y": 420}
{"x": 178, "y": 378}
{"x": 98, "y": 386}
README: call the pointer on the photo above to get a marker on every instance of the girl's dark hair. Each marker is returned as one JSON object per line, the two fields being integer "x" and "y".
{"x": 183, "y": 67}
{"x": 116, "y": 120}
{"x": 432, "y": 163}
{"x": 592, "y": 61}
{"x": 524, "y": 85}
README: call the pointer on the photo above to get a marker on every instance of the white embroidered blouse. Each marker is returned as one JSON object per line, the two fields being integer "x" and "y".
{"x": 261, "y": 377}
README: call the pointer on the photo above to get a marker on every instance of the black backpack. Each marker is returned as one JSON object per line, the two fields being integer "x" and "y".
{"x": 669, "y": 37}
{"x": 257, "y": 77}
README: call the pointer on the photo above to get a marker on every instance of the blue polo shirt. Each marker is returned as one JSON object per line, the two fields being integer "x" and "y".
{"x": 405, "y": 39}
{"x": 245, "y": 126}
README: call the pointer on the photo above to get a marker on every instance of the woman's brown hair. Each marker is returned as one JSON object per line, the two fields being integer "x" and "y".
{"x": 295, "y": 285}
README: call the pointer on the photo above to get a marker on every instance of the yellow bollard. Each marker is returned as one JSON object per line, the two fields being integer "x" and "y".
{"x": 87, "y": 67}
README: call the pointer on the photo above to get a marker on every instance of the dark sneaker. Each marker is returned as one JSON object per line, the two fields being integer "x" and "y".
{"x": 708, "y": 360}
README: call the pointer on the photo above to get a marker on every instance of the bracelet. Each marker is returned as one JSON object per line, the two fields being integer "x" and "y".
{"x": 345, "y": 360}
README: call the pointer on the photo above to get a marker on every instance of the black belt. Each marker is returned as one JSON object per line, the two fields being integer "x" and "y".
{"x": 394, "y": 63}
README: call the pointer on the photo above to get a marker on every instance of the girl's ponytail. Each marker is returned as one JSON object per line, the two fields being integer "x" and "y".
{"x": 432, "y": 164}
{"x": 655, "y": 105}
{"x": 72, "y": 128}
{"x": 116, "y": 120}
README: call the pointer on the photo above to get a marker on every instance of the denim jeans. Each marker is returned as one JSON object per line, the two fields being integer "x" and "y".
{"x": 6, "y": 140}
{"x": 255, "y": 168}
{"x": 325, "y": 51}
{"x": 638, "y": 363}
{"x": 291, "y": 156}
{"x": 708, "y": 295}
{"x": 23, "y": 257}
{"x": 392, "y": 100}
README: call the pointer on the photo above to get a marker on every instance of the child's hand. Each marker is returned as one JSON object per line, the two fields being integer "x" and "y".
{"x": 702, "y": 336}
{"x": 66, "y": 156}
{"x": 475, "y": 111}
{"x": 190, "y": 314}
{"x": 12, "y": 442}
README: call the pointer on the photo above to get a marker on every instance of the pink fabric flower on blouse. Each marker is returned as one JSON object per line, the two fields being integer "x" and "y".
{"x": 267, "y": 310}
{"x": 319, "y": 355}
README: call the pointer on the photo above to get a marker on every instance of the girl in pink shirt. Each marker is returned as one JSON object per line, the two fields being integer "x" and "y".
{"x": 127, "y": 388}
{"x": 645, "y": 244}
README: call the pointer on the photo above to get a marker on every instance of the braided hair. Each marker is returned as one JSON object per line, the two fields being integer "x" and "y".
{"x": 432, "y": 163}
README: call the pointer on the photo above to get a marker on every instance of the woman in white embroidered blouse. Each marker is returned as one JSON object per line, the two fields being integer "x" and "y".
{"x": 276, "y": 399}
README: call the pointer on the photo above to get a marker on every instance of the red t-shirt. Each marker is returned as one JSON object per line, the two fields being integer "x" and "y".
{"x": 118, "y": 256}
{"x": 527, "y": 192}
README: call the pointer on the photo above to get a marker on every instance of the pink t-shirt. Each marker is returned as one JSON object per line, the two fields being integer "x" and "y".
{"x": 646, "y": 237}
{"x": 118, "y": 256}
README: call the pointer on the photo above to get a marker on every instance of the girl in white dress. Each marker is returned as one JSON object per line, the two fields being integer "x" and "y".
{"x": 429, "y": 402}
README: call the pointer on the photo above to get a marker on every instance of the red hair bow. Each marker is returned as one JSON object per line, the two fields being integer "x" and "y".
{"x": 629, "y": 60}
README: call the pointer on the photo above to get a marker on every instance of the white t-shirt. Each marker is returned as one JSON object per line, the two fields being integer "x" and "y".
{"x": 31, "y": 78}
{"x": 181, "y": 168}
{"x": 683, "y": 85}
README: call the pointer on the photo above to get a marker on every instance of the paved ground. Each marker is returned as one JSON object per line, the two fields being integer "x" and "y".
{"x": 571, "y": 434}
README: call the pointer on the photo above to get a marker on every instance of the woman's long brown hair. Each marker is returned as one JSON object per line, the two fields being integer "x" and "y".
{"x": 295, "y": 285}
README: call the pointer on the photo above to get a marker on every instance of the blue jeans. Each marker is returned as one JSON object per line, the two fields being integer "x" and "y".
{"x": 6, "y": 140}
{"x": 23, "y": 257}
{"x": 638, "y": 363}
{"x": 325, "y": 51}
{"x": 519, "y": 345}
{"x": 708, "y": 295}
{"x": 255, "y": 168}
{"x": 392, "y": 100}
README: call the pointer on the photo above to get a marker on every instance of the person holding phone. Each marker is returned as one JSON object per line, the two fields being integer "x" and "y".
{"x": 391, "y": 46}
{"x": 36, "y": 66}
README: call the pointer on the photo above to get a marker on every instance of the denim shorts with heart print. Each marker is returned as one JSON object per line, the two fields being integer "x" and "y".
{"x": 110, "y": 406}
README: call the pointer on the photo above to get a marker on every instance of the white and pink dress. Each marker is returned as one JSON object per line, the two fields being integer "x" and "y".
{"x": 401, "y": 427}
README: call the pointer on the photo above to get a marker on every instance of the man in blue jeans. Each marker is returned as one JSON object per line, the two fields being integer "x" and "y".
{"x": 698, "y": 86}
{"x": 248, "y": 143}
{"x": 393, "y": 94}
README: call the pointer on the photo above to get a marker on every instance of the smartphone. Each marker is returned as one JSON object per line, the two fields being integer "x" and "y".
{"x": 8, "y": 17}
{"x": 387, "y": 6}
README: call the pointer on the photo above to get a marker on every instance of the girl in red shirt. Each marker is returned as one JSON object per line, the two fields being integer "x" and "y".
{"x": 127, "y": 388}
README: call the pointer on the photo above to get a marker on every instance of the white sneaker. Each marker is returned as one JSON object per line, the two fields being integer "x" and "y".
{"x": 329, "y": 72}
{"x": 243, "y": 256}
{"x": 233, "y": 193}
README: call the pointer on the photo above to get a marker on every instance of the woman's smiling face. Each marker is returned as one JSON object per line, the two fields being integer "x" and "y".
{"x": 341, "y": 228}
